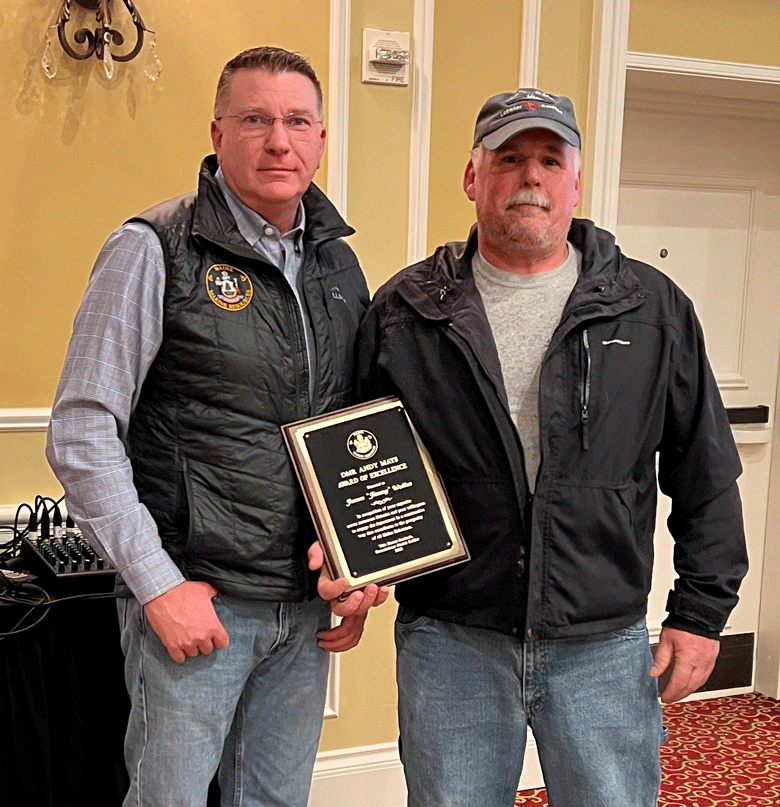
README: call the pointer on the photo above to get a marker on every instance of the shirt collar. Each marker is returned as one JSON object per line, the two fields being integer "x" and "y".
{"x": 252, "y": 226}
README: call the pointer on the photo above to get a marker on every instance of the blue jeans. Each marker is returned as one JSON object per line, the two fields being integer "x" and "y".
{"x": 466, "y": 696}
{"x": 253, "y": 710}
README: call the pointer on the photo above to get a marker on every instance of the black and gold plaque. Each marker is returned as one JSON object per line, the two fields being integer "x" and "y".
{"x": 378, "y": 504}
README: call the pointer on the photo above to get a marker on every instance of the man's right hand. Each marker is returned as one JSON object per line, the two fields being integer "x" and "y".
{"x": 358, "y": 603}
{"x": 185, "y": 620}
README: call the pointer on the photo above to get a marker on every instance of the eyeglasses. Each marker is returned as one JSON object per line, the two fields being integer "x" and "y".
{"x": 253, "y": 124}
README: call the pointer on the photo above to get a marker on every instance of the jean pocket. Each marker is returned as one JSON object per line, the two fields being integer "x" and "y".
{"x": 406, "y": 619}
{"x": 635, "y": 631}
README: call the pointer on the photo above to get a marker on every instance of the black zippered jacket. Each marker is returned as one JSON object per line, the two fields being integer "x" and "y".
{"x": 208, "y": 456}
{"x": 625, "y": 379}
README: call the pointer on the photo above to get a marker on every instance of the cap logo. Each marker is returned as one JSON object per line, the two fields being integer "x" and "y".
{"x": 527, "y": 106}
{"x": 538, "y": 95}
{"x": 228, "y": 287}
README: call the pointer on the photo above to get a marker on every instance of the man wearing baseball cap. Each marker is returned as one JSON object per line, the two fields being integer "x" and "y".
{"x": 547, "y": 373}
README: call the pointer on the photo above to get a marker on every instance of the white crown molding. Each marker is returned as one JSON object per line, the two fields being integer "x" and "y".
{"x": 24, "y": 420}
{"x": 678, "y": 85}
{"x": 420, "y": 145}
{"x": 7, "y": 517}
{"x": 358, "y": 758}
{"x": 722, "y": 96}
{"x": 333, "y": 691}
{"x": 338, "y": 104}
{"x": 529, "y": 43}
{"x": 685, "y": 66}
{"x": 606, "y": 101}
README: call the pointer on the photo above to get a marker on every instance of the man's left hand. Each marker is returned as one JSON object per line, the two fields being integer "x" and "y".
{"x": 344, "y": 636}
{"x": 694, "y": 657}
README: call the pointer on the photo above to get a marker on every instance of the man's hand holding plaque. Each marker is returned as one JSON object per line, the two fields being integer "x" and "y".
{"x": 352, "y": 608}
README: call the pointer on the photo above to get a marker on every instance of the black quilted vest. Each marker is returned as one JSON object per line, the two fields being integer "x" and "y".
{"x": 205, "y": 442}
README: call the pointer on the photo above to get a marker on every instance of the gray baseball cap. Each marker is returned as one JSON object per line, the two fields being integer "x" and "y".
{"x": 504, "y": 115}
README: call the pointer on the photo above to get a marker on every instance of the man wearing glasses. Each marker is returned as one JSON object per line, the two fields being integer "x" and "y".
{"x": 210, "y": 320}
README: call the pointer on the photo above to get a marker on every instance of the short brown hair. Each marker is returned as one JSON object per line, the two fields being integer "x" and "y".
{"x": 274, "y": 60}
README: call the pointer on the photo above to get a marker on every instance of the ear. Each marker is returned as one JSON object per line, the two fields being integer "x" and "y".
{"x": 216, "y": 137}
{"x": 321, "y": 144}
{"x": 578, "y": 188}
{"x": 468, "y": 180}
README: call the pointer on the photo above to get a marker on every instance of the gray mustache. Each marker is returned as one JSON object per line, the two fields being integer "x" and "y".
{"x": 528, "y": 196}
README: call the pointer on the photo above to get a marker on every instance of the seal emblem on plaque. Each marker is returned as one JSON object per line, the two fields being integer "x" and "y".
{"x": 362, "y": 444}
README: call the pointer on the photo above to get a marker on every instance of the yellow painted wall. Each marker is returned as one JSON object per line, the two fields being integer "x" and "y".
{"x": 377, "y": 207}
{"x": 379, "y": 131}
{"x": 746, "y": 31}
{"x": 82, "y": 154}
{"x": 476, "y": 54}
{"x": 564, "y": 52}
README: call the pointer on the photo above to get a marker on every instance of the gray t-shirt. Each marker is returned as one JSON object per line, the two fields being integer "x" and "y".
{"x": 523, "y": 311}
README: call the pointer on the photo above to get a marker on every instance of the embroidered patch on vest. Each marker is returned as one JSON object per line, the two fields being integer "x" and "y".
{"x": 228, "y": 287}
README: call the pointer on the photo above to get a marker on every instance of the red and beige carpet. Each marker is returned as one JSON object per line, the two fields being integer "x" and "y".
{"x": 723, "y": 752}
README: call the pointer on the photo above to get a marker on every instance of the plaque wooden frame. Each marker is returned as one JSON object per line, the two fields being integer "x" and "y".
{"x": 370, "y": 457}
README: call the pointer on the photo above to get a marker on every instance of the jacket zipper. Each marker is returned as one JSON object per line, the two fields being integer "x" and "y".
{"x": 585, "y": 392}
{"x": 301, "y": 351}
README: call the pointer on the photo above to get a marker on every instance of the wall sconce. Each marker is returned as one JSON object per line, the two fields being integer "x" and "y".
{"x": 100, "y": 41}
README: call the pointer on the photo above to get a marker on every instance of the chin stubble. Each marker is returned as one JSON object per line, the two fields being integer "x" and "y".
{"x": 515, "y": 231}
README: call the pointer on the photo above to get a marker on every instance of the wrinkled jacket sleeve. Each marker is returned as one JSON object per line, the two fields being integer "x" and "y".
{"x": 698, "y": 470}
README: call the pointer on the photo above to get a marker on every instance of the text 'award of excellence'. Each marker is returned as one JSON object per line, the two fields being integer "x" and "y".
{"x": 379, "y": 507}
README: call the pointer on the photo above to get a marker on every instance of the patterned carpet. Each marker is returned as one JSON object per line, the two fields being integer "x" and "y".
{"x": 723, "y": 752}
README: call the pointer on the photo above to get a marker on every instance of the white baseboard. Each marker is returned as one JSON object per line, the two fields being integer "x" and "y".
{"x": 532, "y": 770}
{"x": 373, "y": 774}
{"x": 370, "y": 774}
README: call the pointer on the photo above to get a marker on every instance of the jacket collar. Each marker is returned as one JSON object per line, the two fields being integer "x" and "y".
{"x": 213, "y": 221}
{"x": 440, "y": 287}
{"x": 607, "y": 284}
{"x": 603, "y": 263}
{"x": 443, "y": 289}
